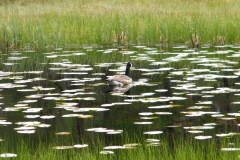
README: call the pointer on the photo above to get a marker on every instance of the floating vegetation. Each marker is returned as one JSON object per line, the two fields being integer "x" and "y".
{"x": 114, "y": 147}
{"x": 105, "y": 130}
{"x": 152, "y": 140}
{"x": 5, "y": 122}
{"x": 28, "y": 123}
{"x": 115, "y": 132}
{"x": 80, "y": 145}
{"x": 42, "y": 125}
{"x": 25, "y": 128}
{"x": 225, "y": 135}
{"x": 198, "y": 107}
{"x": 63, "y": 147}
{"x": 8, "y": 155}
{"x": 107, "y": 105}
{"x": 184, "y": 91}
{"x": 199, "y": 127}
{"x": 153, "y": 100}
{"x": 227, "y": 118}
{"x": 32, "y": 110}
{"x": 30, "y": 101}
{"x": 85, "y": 116}
{"x": 131, "y": 145}
{"x": 63, "y": 133}
{"x": 153, "y": 144}
{"x": 26, "y": 90}
{"x": 149, "y": 117}
{"x": 195, "y": 131}
{"x": 71, "y": 115}
{"x": 163, "y": 113}
{"x": 196, "y": 113}
{"x": 145, "y": 113}
{"x": 203, "y": 137}
{"x": 26, "y": 131}
{"x": 230, "y": 149}
{"x": 161, "y": 90}
{"x": 89, "y": 109}
{"x": 217, "y": 115}
{"x": 153, "y": 132}
{"x": 47, "y": 117}
{"x": 106, "y": 152}
{"x": 96, "y": 129}
{"x": 160, "y": 107}
{"x": 143, "y": 123}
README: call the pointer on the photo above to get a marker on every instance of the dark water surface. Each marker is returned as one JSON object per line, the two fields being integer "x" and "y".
{"x": 184, "y": 92}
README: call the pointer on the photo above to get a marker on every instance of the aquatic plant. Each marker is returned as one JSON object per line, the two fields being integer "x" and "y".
{"x": 65, "y": 147}
{"x": 55, "y": 23}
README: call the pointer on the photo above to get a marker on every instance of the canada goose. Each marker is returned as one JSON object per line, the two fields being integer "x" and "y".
{"x": 121, "y": 80}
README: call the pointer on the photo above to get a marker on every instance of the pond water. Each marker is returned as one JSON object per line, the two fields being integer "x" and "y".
{"x": 183, "y": 91}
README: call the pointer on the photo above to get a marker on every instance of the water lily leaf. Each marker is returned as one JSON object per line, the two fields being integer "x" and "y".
{"x": 106, "y": 152}
{"x": 114, "y": 147}
{"x": 80, "y": 145}
{"x": 63, "y": 133}
{"x": 63, "y": 147}
{"x": 203, "y": 137}
{"x": 8, "y": 155}
{"x": 153, "y": 132}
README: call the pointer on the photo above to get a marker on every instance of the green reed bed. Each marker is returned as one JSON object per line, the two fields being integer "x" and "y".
{"x": 183, "y": 148}
{"x": 57, "y": 23}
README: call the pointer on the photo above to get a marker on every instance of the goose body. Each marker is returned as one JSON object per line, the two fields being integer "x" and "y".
{"x": 121, "y": 80}
{"x": 118, "y": 89}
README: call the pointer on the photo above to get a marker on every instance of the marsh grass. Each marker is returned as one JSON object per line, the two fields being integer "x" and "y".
{"x": 183, "y": 148}
{"x": 57, "y": 23}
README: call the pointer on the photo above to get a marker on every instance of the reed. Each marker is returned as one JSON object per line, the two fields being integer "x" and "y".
{"x": 58, "y": 23}
{"x": 182, "y": 149}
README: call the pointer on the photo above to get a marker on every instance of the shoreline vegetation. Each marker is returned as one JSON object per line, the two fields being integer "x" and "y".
{"x": 38, "y": 25}
{"x": 131, "y": 148}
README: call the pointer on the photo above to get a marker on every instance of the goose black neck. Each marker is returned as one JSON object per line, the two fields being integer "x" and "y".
{"x": 127, "y": 70}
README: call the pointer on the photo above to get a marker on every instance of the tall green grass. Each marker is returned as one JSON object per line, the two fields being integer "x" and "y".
{"x": 184, "y": 148}
{"x": 57, "y": 23}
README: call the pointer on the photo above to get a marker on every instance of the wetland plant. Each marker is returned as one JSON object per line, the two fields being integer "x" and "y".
{"x": 28, "y": 24}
